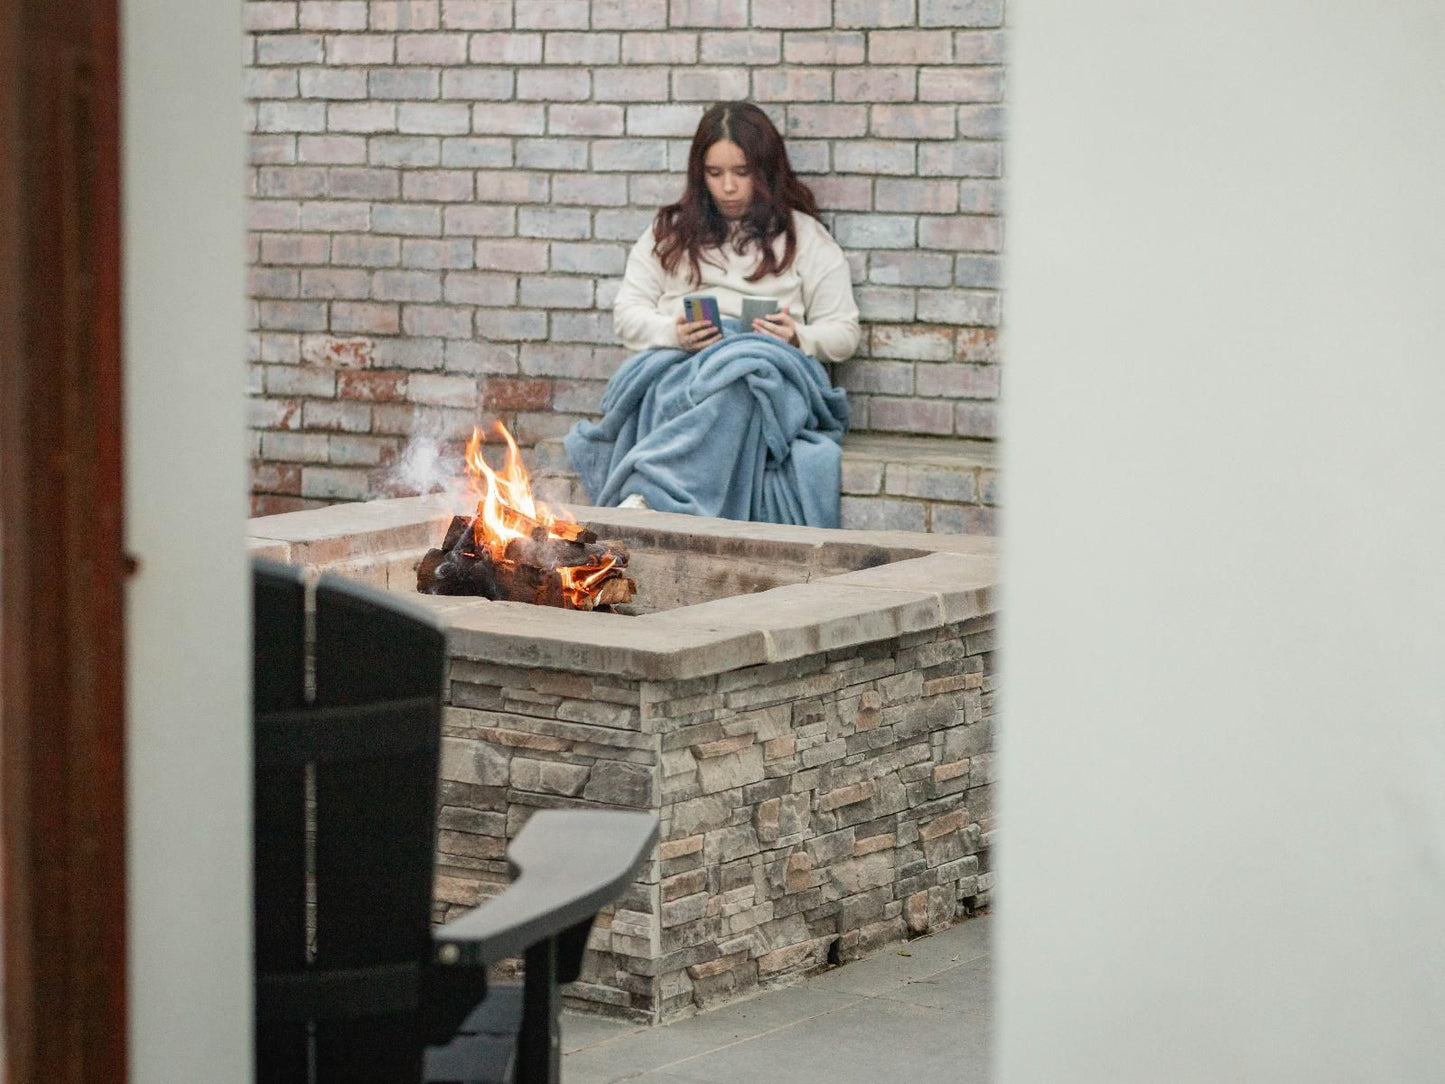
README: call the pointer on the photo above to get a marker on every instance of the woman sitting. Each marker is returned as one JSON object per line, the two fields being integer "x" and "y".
{"x": 721, "y": 419}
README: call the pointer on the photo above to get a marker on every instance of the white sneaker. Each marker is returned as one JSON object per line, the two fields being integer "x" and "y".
{"x": 633, "y": 500}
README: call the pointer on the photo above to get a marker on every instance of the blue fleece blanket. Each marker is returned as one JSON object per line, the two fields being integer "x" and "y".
{"x": 747, "y": 429}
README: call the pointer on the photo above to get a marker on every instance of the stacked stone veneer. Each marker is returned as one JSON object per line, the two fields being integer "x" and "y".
{"x": 818, "y": 742}
{"x": 443, "y": 193}
{"x": 811, "y": 810}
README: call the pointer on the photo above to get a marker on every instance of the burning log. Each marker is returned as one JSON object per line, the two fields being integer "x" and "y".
{"x": 580, "y": 573}
{"x": 514, "y": 549}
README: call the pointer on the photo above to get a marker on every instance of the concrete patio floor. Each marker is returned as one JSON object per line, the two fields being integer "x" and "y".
{"x": 918, "y": 1011}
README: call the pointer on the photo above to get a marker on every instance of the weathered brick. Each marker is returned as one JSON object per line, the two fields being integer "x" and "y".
{"x": 910, "y": 269}
{"x": 978, "y": 47}
{"x": 272, "y": 282}
{"x": 873, "y": 14}
{"x": 489, "y": 152}
{"x": 557, "y": 293}
{"x": 978, "y": 233}
{"x": 662, "y": 120}
{"x": 589, "y": 189}
{"x": 842, "y": 193}
{"x": 438, "y": 185}
{"x": 333, "y": 150}
{"x": 476, "y": 14}
{"x": 516, "y": 393}
{"x": 629, "y": 84}
{"x": 930, "y": 483}
{"x": 295, "y": 248}
{"x": 886, "y": 303}
{"x": 915, "y": 343}
{"x": 582, "y": 48}
{"x": 343, "y": 50}
{"x": 353, "y": 182}
{"x": 290, "y": 49}
{"x": 434, "y": 118}
{"x": 612, "y": 155}
{"x": 914, "y": 121}
{"x": 287, "y": 116}
{"x": 878, "y": 377}
{"x": 430, "y": 255}
{"x": 436, "y": 389}
{"x": 585, "y": 120}
{"x": 410, "y": 84}
{"x": 480, "y": 288}
{"x": 741, "y": 47}
{"x": 333, "y": 15}
{"x": 719, "y": 13}
{"x": 274, "y": 149}
{"x": 959, "y": 306}
{"x": 876, "y": 157}
{"x": 826, "y": 47}
{"x": 554, "y": 84}
{"x": 477, "y": 84}
{"x": 443, "y": 49}
{"x": 876, "y": 85}
{"x": 340, "y": 417}
{"x": 981, "y": 272}
{"x": 551, "y": 154}
{"x": 910, "y": 47}
{"x": 596, "y": 259}
{"x": 960, "y": 159}
{"x": 509, "y": 118}
{"x": 555, "y": 222}
{"x": 404, "y": 151}
{"x": 519, "y": 325}
{"x": 406, "y": 286}
{"x": 505, "y": 49}
{"x": 405, "y": 14}
{"x": 519, "y": 255}
{"x": 977, "y": 344}
{"x": 875, "y": 231}
{"x": 364, "y": 385}
{"x": 960, "y": 84}
{"x": 981, "y": 121}
{"x": 796, "y": 14}
{"x": 365, "y": 250}
{"x": 960, "y": 12}
{"x": 923, "y": 416}
{"x": 328, "y": 283}
{"x": 270, "y": 15}
{"x": 709, "y": 85}
{"x": 828, "y": 121}
{"x": 363, "y": 117}
{"x": 273, "y": 214}
{"x": 976, "y": 420}
{"x": 271, "y": 83}
{"x": 335, "y": 483}
{"x": 793, "y": 84}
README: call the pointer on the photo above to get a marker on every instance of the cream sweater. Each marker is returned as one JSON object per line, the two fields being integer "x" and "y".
{"x": 817, "y": 289}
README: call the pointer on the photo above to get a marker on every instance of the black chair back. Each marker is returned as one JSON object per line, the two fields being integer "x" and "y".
{"x": 345, "y": 815}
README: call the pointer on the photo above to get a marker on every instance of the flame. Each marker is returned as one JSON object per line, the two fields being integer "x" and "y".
{"x": 507, "y": 510}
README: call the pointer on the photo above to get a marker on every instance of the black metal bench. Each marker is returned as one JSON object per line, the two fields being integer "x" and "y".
{"x": 353, "y": 983}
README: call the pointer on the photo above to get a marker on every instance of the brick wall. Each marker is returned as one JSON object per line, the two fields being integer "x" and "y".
{"x": 444, "y": 193}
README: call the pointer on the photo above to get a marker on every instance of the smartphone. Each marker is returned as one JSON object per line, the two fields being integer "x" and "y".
{"x": 755, "y": 308}
{"x": 702, "y": 307}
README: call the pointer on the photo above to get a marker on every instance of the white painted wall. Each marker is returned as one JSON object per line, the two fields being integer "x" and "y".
{"x": 1223, "y": 851}
{"x": 188, "y": 669}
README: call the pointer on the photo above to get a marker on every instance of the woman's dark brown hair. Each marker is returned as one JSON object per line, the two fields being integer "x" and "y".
{"x": 686, "y": 228}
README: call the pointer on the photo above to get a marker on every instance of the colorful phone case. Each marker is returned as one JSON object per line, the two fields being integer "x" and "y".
{"x": 701, "y": 307}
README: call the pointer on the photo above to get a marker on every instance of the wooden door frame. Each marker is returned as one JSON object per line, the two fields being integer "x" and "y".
{"x": 62, "y": 562}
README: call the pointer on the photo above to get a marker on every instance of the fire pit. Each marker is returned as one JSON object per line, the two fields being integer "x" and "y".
{"x": 809, "y": 712}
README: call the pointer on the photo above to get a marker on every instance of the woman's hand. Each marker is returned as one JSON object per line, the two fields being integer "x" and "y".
{"x": 697, "y": 334}
{"x": 779, "y": 325}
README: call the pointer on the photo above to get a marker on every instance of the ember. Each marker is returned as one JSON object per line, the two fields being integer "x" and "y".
{"x": 516, "y": 549}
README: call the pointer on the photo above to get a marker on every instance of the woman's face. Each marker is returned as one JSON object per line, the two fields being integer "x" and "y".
{"x": 729, "y": 180}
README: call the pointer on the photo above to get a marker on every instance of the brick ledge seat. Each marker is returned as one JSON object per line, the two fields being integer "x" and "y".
{"x": 942, "y": 485}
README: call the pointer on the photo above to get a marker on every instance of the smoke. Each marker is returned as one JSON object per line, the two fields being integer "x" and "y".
{"x": 432, "y": 462}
